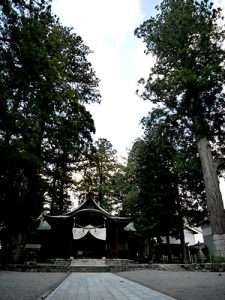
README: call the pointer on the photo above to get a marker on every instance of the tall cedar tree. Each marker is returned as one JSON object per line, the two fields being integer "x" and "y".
{"x": 173, "y": 144}
{"x": 188, "y": 76}
{"x": 45, "y": 81}
{"x": 164, "y": 199}
{"x": 98, "y": 173}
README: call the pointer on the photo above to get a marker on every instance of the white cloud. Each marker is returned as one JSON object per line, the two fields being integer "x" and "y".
{"x": 219, "y": 3}
{"x": 98, "y": 20}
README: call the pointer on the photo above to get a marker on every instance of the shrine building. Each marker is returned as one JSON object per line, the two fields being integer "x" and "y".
{"x": 88, "y": 231}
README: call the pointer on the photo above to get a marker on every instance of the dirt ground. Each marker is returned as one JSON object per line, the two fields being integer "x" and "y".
{"x": 28, "y": 285}
{"x": 182, "y": 285}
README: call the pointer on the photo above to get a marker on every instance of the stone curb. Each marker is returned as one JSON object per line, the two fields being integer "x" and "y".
{"x": 208, "y": 267}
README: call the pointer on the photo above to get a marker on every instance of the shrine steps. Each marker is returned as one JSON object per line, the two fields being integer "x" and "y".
{"x": 90, "y": 269}
{"x": 89, "y": 265}
{"x": 100, "y": 265}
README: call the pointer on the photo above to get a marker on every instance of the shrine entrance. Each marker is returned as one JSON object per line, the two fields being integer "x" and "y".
{"x": 88, "y": 247}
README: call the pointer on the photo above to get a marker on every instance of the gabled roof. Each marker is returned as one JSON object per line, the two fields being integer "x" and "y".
{"x": 191, "y": 229}
{"x": 88, "y": 206}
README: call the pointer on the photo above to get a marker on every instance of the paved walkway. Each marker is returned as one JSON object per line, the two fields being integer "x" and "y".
{"x": 104, "y": 286}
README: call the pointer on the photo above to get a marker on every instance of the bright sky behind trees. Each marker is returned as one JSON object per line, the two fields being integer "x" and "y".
{"x": 107, "y": 27}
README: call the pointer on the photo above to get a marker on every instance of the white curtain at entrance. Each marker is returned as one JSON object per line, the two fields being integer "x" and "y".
{"x": 98, "y": 233}
{"x": 78, "y": 233}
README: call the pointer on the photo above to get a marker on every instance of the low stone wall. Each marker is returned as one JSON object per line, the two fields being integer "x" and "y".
{"x": 208, "y": 267}
{"x": 36, "y": 268}
{"x": 134, "y": 267}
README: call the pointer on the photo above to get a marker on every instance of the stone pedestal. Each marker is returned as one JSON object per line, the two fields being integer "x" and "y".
{"x": 219, "y": 245}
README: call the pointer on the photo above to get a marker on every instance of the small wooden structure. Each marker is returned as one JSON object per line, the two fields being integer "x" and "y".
{"x": 88, "y": 231}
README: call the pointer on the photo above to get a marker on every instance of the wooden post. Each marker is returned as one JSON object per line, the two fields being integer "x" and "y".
{"x": 116, "y": 241}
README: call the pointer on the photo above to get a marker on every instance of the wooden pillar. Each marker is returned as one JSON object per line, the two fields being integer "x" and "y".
{"x": 71, "y": 247}
{"x": 116, "y": 240}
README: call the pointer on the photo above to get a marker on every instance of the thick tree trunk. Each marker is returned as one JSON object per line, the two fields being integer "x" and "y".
{"x": 213, "y": 196}
{"x": 182, "y": 243}
{"x": 18, "y": 250}
{"x": 169, "y": 247}
{"x": 180, "y": 223}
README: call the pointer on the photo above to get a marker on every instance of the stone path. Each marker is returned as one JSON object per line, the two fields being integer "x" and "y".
{"x": 104, "y": 286}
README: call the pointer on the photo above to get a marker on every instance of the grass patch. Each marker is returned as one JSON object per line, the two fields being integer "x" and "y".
{"x": 218, "y": 259}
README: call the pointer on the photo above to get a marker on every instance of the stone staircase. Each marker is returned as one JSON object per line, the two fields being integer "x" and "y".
{"x": 172, "y": 267}
{"x": 107, "y": 265}
{"x": 89, "y": 265}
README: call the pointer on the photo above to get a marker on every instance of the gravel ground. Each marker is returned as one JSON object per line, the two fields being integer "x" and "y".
{"x": 182, "y": 285}
{"x": 28, "y": 285}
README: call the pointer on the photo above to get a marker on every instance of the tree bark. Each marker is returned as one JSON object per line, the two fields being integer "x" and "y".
{"x": 182, "y": 242}
{"x": 18, "y": 250}
{"x": 169, "y": 247}
{"x": 213, "y": 196}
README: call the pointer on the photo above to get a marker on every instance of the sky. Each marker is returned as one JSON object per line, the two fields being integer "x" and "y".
{"x": 107, "y": 27}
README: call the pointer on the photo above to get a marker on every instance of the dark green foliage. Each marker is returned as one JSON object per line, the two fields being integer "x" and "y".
{"x": 187, "y": 38}
{"x": 45, "y": 129}
{"x": 167, "y": 192}
{"x": 98, "y": 175}
{"x": 174, "y": 146}
{"x": 188, "y": 75}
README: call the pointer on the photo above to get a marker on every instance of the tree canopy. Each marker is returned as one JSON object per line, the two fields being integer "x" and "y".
{"x": 167, "y": 191}
{"x": 46, "y": 80}
{"x": 98, "y": 172}
{"x": 187, "y": 39}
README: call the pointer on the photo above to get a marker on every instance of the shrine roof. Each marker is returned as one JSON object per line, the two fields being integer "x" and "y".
{"x": 88, "y": 206}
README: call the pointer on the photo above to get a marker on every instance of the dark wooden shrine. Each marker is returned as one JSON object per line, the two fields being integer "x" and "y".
{"x": 88, "y": 231}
